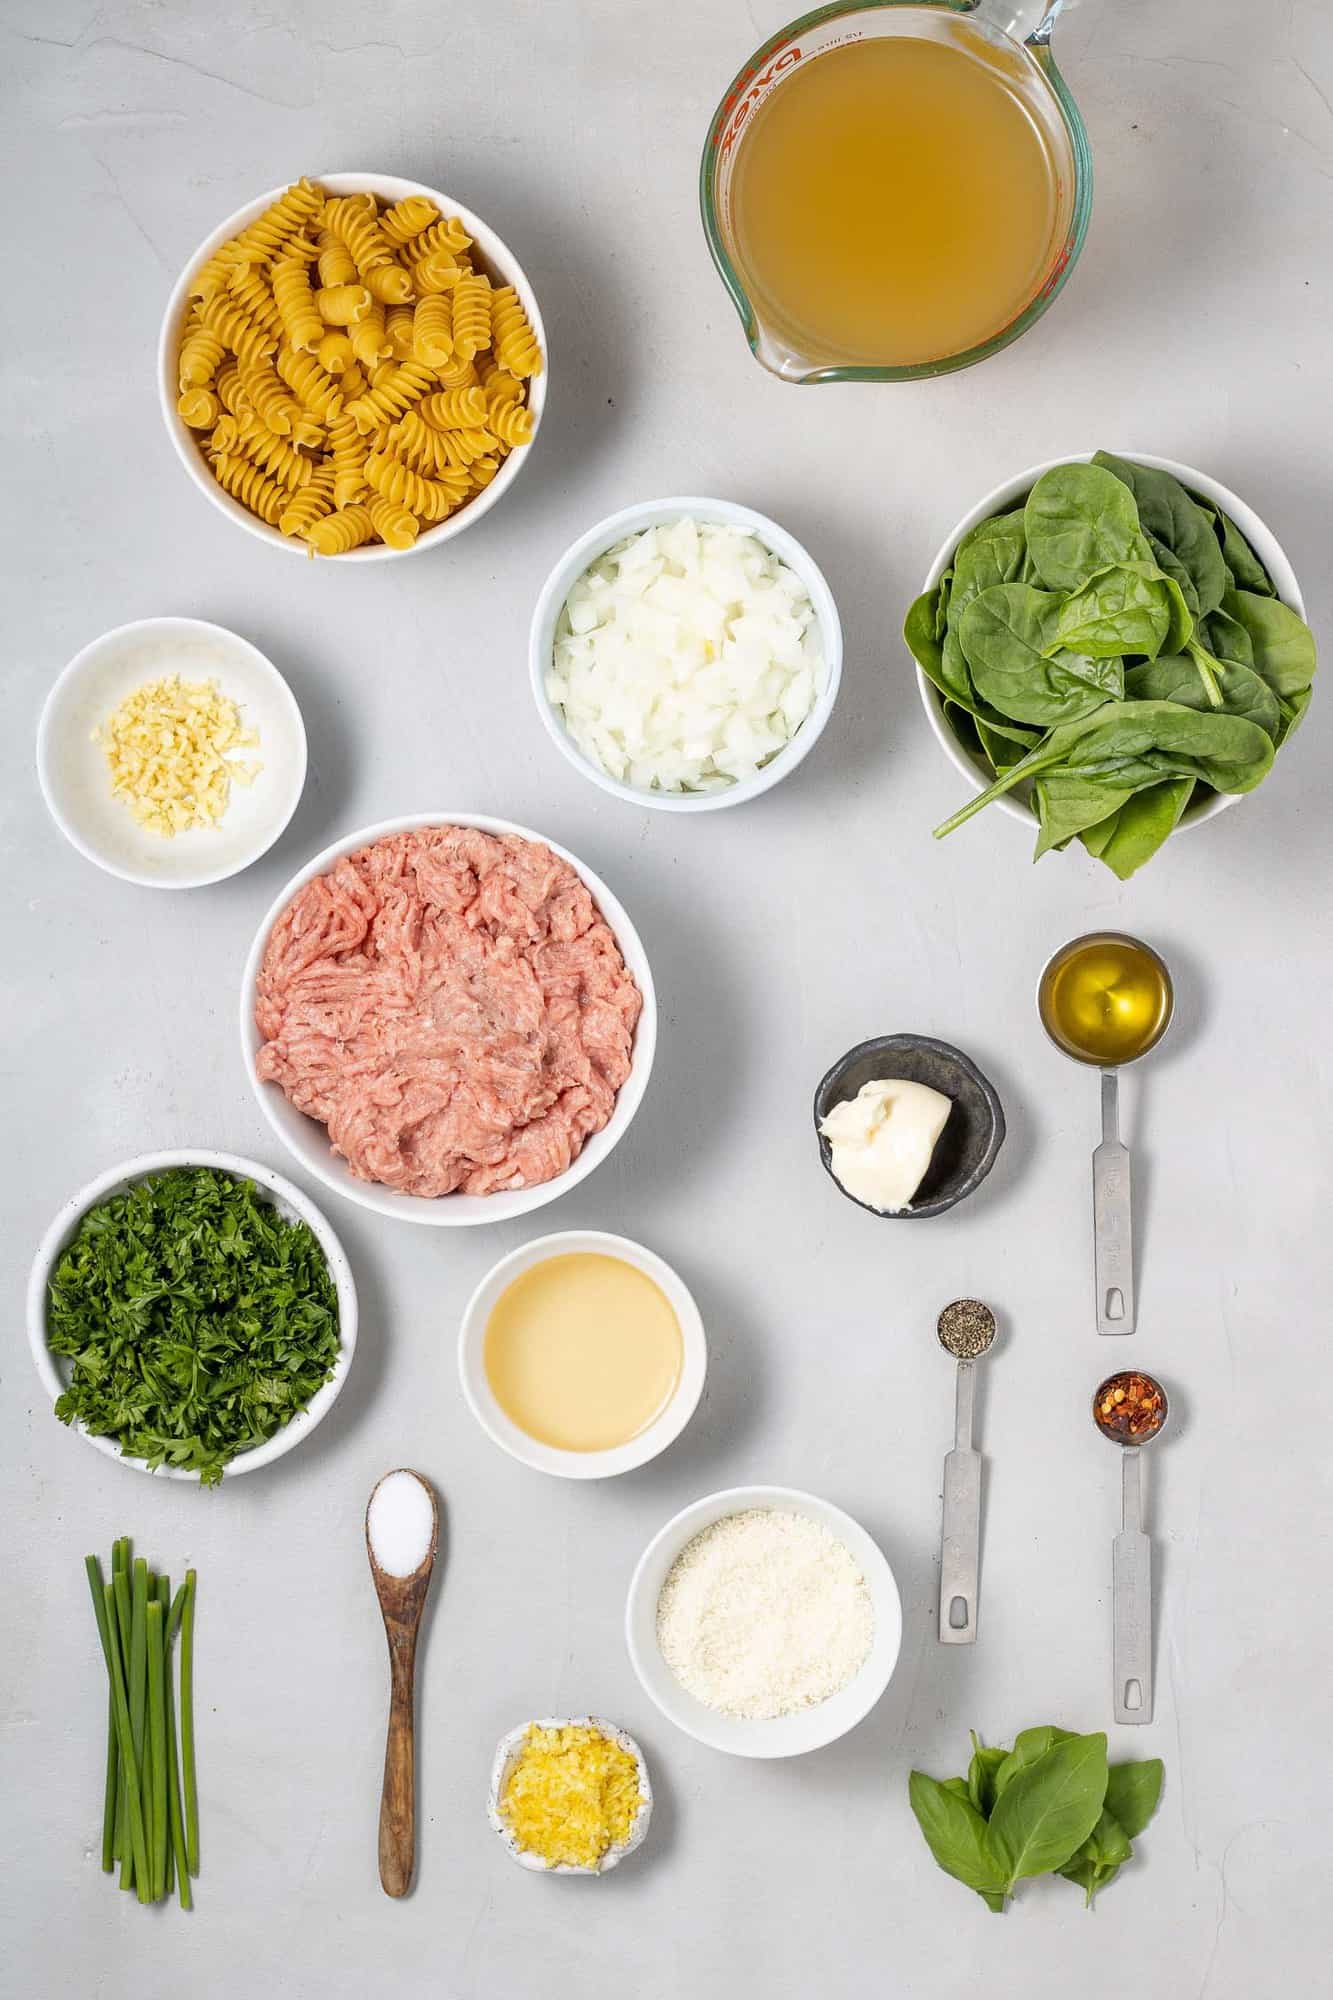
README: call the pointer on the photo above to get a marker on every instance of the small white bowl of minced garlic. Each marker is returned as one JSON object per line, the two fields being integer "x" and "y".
{"x": 171, "y": 753}
{"x": 570, "y": 1795}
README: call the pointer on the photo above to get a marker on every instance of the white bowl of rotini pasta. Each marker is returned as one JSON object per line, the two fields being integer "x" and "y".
{"x": 353, "y": 366}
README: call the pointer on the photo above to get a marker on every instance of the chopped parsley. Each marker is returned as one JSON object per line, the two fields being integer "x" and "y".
{"x": 198, "y": 1320}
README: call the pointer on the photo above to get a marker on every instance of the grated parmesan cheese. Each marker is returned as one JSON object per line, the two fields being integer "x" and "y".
{"x": 763, "y": 1613}
{"x": 572, "y": 1794}
{"x": 173, "y": 749}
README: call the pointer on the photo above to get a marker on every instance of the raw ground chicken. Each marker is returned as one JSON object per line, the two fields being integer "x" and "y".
{"x": 452, "y": 1006}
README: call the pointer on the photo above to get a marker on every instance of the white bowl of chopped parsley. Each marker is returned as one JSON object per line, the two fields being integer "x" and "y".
{"x": 192, "y": 1313}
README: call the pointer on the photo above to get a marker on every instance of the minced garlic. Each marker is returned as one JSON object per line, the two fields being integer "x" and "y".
{"x": 571, "y": 1795}
{"x": 172, "y": 748}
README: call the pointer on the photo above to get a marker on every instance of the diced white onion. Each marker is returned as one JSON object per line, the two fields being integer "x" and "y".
{"x": 685, "y": 658}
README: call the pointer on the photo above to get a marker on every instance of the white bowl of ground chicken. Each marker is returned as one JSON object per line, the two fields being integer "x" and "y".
{"x": 808, "y": 1632}
{"x": 424, "y": 1026}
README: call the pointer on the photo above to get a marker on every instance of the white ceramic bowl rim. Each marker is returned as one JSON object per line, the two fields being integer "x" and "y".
{"x": 782, "y": 1736}
{"x": 1255, "y": 530}
{"x": 308, "y": 1141}
{"x": 506, "y": 1754}
{"x": 391, "y": 187}
{"x": 549, "y": 1458}
{"x": 148, "y": 629}
{"x": 285, "y": 1195}
{"x": 594, "y": 542}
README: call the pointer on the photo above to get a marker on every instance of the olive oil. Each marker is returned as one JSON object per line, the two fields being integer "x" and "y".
{"x": 1105, "y": 999}
{"x": 899, "y": 199}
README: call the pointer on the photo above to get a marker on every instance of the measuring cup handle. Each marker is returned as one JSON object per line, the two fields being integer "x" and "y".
{"x": 1112, "y": 1218}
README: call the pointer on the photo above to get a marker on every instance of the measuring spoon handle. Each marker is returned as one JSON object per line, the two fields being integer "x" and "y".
{"x": 398, "y": 1808}
{"x": 960, "y": 1539}
{"x": 1131, "y": 1594}
{"x": 1112, "y": 1218}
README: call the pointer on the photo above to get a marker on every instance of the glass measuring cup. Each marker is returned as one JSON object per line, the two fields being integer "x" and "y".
{"x": 1017, "y": 34}
{"x": 1112, "y": 1208}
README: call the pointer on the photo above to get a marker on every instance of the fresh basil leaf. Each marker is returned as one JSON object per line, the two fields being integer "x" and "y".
{"x": 955, "y": 1833}
{"x": 1099, "y": 1858}
{"x": 1047, "y": 1810}
{"x": 958, "y": 1787}
{"x": 986, "y": 1761}
{"x": 1029, "y": 1744}
{"x": 1019, "y": 666}
{"x": 1080, "y": 519}
{"x": 1133, "y": 1793}
{"x": 1172, "y": 519}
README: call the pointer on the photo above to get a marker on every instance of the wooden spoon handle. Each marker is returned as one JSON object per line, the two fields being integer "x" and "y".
{"x": 398, "y": 1809}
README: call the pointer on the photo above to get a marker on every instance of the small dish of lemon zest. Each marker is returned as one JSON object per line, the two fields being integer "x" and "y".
{"x": 571, "y": 1795}
{"x": 174, "y": 749}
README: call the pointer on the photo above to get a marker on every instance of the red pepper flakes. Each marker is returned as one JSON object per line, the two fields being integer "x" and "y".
{"x": 1129, "y": 1408}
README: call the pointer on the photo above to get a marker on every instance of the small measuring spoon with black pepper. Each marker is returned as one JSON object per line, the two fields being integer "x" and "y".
{"x": 965, "y": 1329}
{"x": 1130, "y": 1409}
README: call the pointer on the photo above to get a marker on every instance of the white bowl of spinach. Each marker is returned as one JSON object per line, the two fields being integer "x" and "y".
{"x": 1112, "y": 649}
{"x": 192, "y": 1314}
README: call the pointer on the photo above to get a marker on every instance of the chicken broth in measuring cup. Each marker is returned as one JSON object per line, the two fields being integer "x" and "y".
{"x": 898, "y": 194}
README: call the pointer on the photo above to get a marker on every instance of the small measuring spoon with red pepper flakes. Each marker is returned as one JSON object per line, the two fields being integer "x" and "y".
{"x": 1130, "y": 1409}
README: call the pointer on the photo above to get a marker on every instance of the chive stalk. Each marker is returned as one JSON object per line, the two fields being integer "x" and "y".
{"x": 120, "y": 1557}
{"x": 103, "y": 1597}
{"x": 157, "y": 1731}
{"x": 112, "y": 1786}
{"x": 176, "y": 1858}
{"x": 138, "y": 1692}
{"x": 187, "y": 1726}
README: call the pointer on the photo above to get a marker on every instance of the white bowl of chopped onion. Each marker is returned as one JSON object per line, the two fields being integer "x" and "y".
{"x": 685, "y": 654}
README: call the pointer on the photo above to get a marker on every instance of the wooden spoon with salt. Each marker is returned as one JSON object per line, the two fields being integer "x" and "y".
{"x": 402, "y": 1536}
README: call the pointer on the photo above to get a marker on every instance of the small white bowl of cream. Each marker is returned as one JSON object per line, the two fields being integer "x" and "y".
{"x": 763, "y": 1621}
{"x": 582, "y": 1354}
{"x": 685, "y": 654}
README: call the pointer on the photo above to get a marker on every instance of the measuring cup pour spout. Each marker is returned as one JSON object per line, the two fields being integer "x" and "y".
{"x": 1030, "y": 21}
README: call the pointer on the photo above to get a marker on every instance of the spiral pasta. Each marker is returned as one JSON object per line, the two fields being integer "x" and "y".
{"x": 395, "y": 481}
{"x": 515, "y": 344}
{"x": 472, "y": 315}
{"x": 296, "y": 304}
{"x": 253, "y": 488}
{"x": 336, "y": 533}
{"x": 352, "y": 371}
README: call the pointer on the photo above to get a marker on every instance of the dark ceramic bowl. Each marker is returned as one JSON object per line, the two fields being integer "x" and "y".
{"x": 970, "y": 1140}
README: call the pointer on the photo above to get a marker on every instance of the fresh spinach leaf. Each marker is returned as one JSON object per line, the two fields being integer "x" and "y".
{"x": 1127, "y": 609}
{"x": 1283, "y": 648}
{"x": 1068, "y": 804}
{"x": 1018, "y": 665}
{"x": 994, "y": 552}
{"x": 955, "y": 1833}
{"x": 1133, "y": 834}
{"x": 1174, "y": 521}
{"x": 1240, "y": 559}
{"x": 1004, "y": 749}
{"x": 924, "y": 635}
{"x": 1134, "y": 1792}
{"x": 1173, "y": 678}
{"x": 1048, "y": 1809}
{"x": 1227, "y": 638}
{"x": 1080, "y": 519}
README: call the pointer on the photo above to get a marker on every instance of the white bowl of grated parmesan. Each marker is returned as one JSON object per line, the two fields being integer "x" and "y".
{"x": 171, "y": 752}
{"x": 763, "y": 1621}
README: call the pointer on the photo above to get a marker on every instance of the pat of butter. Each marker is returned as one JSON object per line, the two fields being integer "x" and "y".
{"x": 882, "y": 1140}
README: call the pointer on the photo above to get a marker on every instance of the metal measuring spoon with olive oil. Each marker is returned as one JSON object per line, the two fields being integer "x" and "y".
{"x": 1105, "y": 1000}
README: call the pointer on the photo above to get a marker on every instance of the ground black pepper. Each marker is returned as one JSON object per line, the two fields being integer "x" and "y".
{"x": 966, "y": 1328}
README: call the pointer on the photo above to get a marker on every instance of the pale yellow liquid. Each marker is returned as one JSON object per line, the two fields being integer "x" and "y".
{"x": 583, "y": 1352}
{"x": 895, "y": 201}
{"x": 1106, "y": 1000}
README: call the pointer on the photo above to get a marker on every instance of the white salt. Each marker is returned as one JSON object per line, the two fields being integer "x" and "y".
{"x": 400, "y": 1523}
